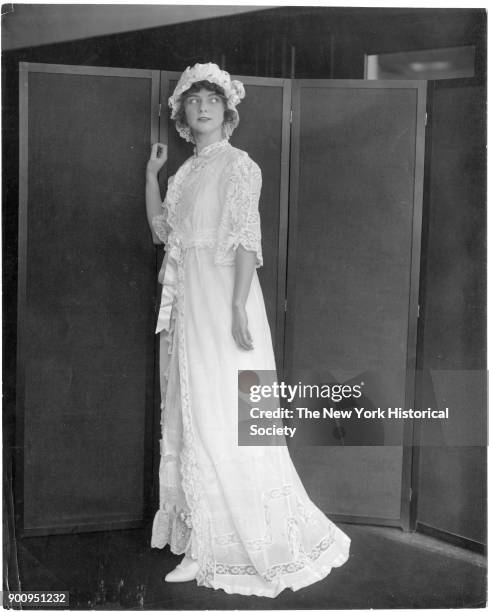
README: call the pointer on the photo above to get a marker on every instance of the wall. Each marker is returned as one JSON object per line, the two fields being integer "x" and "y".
{"x": 29, "y": 25}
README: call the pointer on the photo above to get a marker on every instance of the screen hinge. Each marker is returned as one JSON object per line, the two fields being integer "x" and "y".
{"x": 418, "y": 310}
{"x": 426, "y": 118}
{"x": 291, "y": 115}
{"x": 410, "y": 494}
{"x": 159, "y": 109}
{"x": 285, "y": 305}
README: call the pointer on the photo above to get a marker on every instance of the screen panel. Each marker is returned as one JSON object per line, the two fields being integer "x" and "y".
{"x": 448, "y": 477}
{"x": 88, "y": 296}
{"x": 354, "y": 240}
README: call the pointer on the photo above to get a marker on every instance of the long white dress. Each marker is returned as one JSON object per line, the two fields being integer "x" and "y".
{"x": 241, "y": 511}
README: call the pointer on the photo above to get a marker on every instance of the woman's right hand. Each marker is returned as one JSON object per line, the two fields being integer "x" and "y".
{"x": 159, "y": 155}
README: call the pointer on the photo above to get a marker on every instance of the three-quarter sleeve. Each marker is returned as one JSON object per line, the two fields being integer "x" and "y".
{"x": 241, "y": 218}
{"x": 160, "y": 222}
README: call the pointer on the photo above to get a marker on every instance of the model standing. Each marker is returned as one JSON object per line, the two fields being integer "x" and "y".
{"x": 239, "y": 513}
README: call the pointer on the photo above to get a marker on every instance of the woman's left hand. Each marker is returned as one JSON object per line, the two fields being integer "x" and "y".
{"x": 240, "y": 330}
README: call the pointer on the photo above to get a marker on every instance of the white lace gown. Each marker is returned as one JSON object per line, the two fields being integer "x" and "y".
{"x": 241, "y": 511}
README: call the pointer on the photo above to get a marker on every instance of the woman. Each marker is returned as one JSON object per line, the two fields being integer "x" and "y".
{"x": 239, "y": 513}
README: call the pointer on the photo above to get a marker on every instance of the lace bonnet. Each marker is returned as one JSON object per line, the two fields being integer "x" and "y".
{"x": 233, "y": 90}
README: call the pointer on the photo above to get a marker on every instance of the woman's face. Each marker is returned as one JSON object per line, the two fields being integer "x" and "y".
{"x": 204, "y": 111}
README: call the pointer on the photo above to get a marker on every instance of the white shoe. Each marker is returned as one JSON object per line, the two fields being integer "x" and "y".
{"x": 184, "y": 572}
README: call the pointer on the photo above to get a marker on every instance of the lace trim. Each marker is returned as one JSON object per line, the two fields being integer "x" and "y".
{"x": 258, "y": 544}
{"x": 240, "y": 222}
{"x": 172, "y": 526}
{"x": 225, "y": 568}
{"x": 232, "y": 539}
{"x": 293, "y": 527}
{"x": 172, "y": 523}
{"x": 228, "y": 539}
{"x": 200, "y": 239}
{"x": 165, "y": 223}
{"x": 201, "y": 548}
{"x": 278, "y": 492}
{"x": 160, "y": 224}
{"x": 304, "y": 514}
{"x": 174, "y": 192}
{"x": 182, "y": 528}
{"x": 281, "y": 568}
{"x": 212, "y": 148}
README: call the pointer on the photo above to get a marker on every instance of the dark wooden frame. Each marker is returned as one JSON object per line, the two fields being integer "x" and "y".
{"x": 407, "y": 483}
{"x": 24, "y": 69}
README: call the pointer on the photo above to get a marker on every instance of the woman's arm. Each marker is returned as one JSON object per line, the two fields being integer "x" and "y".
{"x": 244, "y": 268}
{"x": 153, "y": 197}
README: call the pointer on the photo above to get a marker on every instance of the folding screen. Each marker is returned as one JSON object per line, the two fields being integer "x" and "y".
{"x": 88, "y": 405}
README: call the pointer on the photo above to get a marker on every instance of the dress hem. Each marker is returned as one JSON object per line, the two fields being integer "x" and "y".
{"x": 314, "y": 574}
{"x": 323, "y": 572}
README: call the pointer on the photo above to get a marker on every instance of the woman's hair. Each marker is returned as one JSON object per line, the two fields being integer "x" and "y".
{"x": 230, "y": 116}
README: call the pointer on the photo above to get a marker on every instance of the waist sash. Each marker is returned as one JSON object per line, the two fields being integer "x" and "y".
{"x": 169, "y": 290}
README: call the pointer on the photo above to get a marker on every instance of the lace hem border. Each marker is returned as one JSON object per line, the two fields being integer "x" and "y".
{"x": 333, "y": 557}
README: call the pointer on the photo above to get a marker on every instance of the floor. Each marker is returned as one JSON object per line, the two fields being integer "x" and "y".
{"x": 387, "y": 568}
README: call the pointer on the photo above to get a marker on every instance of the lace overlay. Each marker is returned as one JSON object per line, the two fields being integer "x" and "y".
{"x": 235, "y": 219}
{"x": 240, "y": 222}
{"x": 192, "y": 479}
{"x": 160, "y": 223}
{"x": 172, "y": 523}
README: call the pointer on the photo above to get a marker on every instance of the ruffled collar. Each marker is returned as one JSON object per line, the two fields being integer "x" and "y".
{"x": 209, "y": 150}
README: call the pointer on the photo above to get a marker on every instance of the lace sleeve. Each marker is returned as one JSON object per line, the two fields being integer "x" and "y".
{"x": 241, "y": 218}
{"x": 160, "y": 222}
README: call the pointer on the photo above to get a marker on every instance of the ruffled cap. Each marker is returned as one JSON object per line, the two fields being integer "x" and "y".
{"x": 233, "y": 89}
